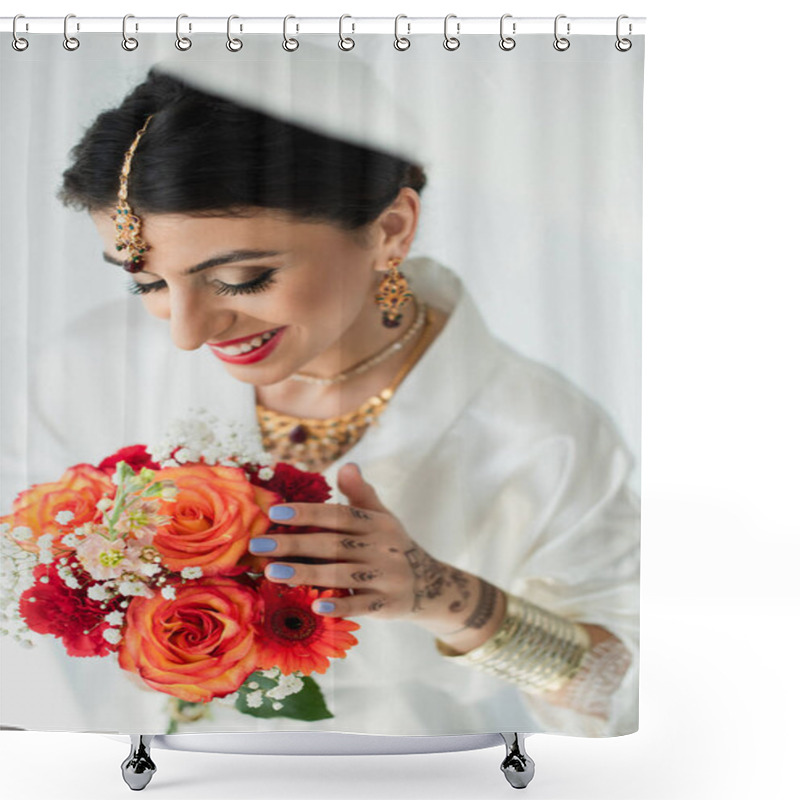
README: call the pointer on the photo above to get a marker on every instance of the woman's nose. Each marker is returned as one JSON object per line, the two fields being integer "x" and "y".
{"x": 191, "y": 321}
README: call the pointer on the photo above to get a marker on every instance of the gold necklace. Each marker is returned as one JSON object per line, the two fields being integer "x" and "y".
{"x": 371, "y": 361}
{"x": 309, "y": 442}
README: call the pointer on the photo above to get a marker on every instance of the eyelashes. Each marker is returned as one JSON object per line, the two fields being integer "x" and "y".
{"x": 264, "y": 280}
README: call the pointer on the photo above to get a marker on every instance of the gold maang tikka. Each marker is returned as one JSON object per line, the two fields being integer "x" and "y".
{"x": 128, "y": 224}
{"x": 393, "y": 294}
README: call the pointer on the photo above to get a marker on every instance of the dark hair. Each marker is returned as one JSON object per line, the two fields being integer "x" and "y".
{"x": 204, "y": 155}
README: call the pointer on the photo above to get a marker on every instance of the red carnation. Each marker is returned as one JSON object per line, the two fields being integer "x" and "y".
{"x": 295, "y": 485}
{"x": 68, "y": 614}
{"x": 135, "y": 456}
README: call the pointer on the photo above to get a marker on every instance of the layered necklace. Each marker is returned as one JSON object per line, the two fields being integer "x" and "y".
{"x": 311, "y": 443}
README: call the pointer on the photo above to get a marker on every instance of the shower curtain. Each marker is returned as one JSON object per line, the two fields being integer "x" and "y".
{"x": 483, "y": 561}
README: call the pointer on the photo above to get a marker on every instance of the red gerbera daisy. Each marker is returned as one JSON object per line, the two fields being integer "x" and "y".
{"x": 293, "y": 637}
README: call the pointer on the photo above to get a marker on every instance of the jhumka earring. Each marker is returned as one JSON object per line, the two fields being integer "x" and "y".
{"x": 128, "y": 224}
{"x": 393, "y": 294}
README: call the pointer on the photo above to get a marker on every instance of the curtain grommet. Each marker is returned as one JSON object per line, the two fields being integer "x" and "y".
{"x": 182, "y": 43}
{"x": 623, "y": 44}
{"x": 129, "y": 43}
{"x": 451, "y": 42}
{"x": 346, "y": 42}
{"x": 507, "y": 42}
{"x": 289, "y": 44}
{"x": 234, "y": 45}
{"x": 18, "y": 42}
{"x": 401, "y": 42}
{"x": 561, "y": 43}
{"x": 70, "y": 43}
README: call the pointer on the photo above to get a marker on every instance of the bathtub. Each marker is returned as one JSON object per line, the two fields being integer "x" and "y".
{"x": 138, "y": 767}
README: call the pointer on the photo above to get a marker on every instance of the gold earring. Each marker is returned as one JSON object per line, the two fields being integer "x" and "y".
{"x": 393, "y": 294}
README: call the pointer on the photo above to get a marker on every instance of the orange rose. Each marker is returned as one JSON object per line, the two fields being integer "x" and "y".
{"x": 198, "y": 646}
{"x": 216, "y": 513}
{"x": 78, "y": 490}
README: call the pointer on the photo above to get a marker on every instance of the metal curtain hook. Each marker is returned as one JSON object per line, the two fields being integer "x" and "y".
{"x": 128, "y": 42}
{"x": 561, "y": 43}
{"x": 346, "y": 43}
{"x": 182, "y": 42}
{"x": 70, "y": 42}
{"x": 623, "y": 45}
{"x": 400, "y": 42}
{"x": 451, "y": 42}
{"x": 290, "y": 44}
{"x": 507, "y": 42}
{"x": 234, "y": 45}
{"x": 18, "y": 43}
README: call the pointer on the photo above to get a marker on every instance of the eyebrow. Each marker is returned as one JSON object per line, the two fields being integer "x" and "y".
{"x": 224, "y": 258}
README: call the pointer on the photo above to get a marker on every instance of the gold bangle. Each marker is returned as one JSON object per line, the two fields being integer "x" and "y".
{"x": 533, "y": 648}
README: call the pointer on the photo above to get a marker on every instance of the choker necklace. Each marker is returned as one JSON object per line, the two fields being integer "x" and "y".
{"x": 312, "y": 443}
{"x": 364, "y": 365}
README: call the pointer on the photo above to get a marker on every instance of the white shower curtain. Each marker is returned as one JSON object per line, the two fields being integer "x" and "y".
{"x": 508, "y": 454}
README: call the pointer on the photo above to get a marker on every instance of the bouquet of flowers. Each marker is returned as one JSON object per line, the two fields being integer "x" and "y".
{"x": 145, "y": 556}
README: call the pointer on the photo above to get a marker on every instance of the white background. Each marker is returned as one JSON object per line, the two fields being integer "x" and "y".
{"x": 720, "y": 535}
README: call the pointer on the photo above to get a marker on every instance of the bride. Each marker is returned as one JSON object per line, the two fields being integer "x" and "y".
{"x": 486, "y": 532}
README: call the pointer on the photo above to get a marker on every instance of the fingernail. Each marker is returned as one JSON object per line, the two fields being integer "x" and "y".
{"x": 280, "y": 571}
{"x": 281, "y": 512}
{"x": 262, "y": 545}
{"x": 357, "y": 467}
{"x": 324, "y": 607}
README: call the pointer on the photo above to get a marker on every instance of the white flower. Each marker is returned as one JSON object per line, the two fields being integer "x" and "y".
{"x": 149, "y": 569}
{"x": 255, "y": 699}
{"x": 134, "y": 588}
{"x": 114, "y": 618}
{"x": 191, "y": 572}
{"x": 112, "y": 635}
{"x": 63, "y": 517}
{"x": 72, "y": 582}
{"x": 98, "y": 591}
{"x": 287, "y": 684}
{"x": 168, "y": 592}
{"x": 266, "y": 473}
{"x": 277, "y": 706}
{"x": 70, "y": 540}
{"x": 252, "y": 685}
{"x": 104, "y": 503}
{"x": 21, "y": 532}
{"x": 5, "y": 527}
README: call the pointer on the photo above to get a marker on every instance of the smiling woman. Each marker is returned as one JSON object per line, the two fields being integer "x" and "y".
{"x": 492, "y": 519}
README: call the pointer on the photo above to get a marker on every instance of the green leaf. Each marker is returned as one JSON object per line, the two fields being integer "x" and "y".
{"x": 307, "y": 704}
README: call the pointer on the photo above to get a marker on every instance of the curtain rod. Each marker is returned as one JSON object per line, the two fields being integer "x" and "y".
{"x": 457, "y": 26}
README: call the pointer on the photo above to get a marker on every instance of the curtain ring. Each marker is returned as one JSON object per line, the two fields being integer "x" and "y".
{"x": 507, "y": 42}
{"x": 70, "y": 42}
{"x": 128, "y": 42}
{"x": 561, "y": 43}
{"x": 290, "y": 45}
{"x": 234, "y": 45}
{"x": 182, "y": 42}
{"x": 18, "y": 43}
{"x": 451, "y": 42}
{"x": 400, "y": 42}
{"x": 623, "y": 45}
{"x": 342, "y": 39}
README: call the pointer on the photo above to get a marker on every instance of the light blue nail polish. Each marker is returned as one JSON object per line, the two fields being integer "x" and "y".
{"x": 325, "y": 607}
{"x": 262, "y": 545}
{"x": 280, "y": 571}
{"x": 281, "y": 512}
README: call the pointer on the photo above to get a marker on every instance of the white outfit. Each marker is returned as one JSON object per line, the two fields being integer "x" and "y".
{"x": 494, "y": 463}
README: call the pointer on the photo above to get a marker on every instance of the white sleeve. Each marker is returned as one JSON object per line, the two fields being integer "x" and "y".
{"x": 582, "y": 563}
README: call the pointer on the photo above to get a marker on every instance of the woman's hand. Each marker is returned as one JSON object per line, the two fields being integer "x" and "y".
{"x": 365, "y": 548}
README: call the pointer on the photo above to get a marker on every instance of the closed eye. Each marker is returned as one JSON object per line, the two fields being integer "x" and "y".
{"x": 258, "y": 284}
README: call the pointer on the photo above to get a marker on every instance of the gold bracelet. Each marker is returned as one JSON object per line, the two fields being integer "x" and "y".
{"x": 533, "y": 648}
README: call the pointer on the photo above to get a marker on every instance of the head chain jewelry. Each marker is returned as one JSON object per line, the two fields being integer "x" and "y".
{"x": 128, "y": 224}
